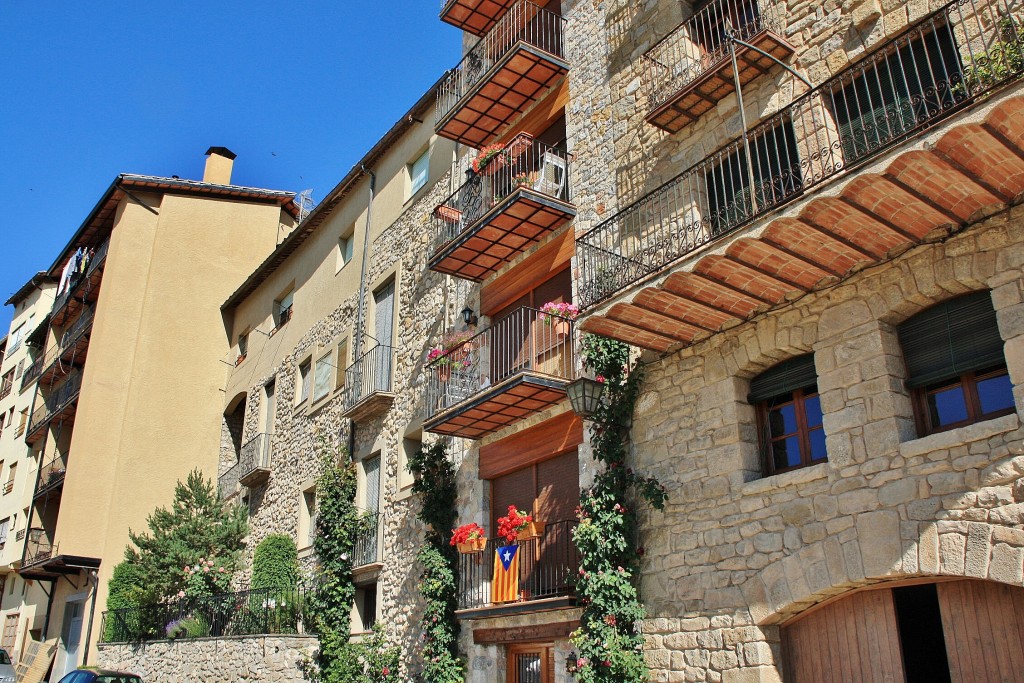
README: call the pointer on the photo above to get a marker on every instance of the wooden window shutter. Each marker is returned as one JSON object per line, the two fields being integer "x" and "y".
{"x": 517, "y": 488}
{"x": 951, "y": 338}
{"x": 558, "y": 488}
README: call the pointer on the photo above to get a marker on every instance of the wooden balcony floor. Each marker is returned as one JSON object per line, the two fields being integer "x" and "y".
{"x": 970, "y": 172}
{"x": 502, "y": 95}
{"x": 474, "y": 16}
{"x": 523, "y": 219}
{"x": 703, "y": 93}
{"x": 498, "y": 406}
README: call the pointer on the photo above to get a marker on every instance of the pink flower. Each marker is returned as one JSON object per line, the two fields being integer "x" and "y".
{"x": 222, "y": 570}
{"x": 581, "y": 662}
{"x": 600, "y": 379}
{"x": 385, "y": 671}
{"x": 181, "y": 594}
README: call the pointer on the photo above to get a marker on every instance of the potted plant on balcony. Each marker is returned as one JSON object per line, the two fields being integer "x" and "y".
{"x": 469, "y": 538}
{"x": 453, "y": 352}
{"x": 489, "y": 160}
{"x": 559, "y": 314}
{"x": 448, "y": 214}
{"x": 518, "y": 526}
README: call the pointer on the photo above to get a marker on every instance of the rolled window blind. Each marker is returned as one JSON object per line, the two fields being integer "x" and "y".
{"x": 787, "y": 376}
{"x": 951, "y": 338}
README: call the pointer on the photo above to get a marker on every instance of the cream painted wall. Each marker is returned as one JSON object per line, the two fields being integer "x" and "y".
{"x": 153, "y": 385}
{"x": 319, "y": 286}
{"x": 13, "y": 449}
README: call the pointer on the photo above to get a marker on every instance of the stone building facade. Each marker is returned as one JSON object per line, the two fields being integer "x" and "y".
{"x": 770, "y": 257}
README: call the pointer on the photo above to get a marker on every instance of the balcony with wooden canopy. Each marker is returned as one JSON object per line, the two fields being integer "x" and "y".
{"x": 503, "y": 374}
{"x": 519, "y": 197}
{"x": 509, "y": 70}
{"x": 727, "y": 240}
{"x": 691, "y": 70}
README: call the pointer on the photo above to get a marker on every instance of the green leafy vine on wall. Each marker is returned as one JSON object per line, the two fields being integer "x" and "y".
{"x": 338, "y": 524}
{"x": 609, "y": 645}
{"x": 435, "y": 482}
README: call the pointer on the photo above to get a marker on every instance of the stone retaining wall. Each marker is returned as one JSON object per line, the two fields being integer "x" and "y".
{"x": 270, "y": 659}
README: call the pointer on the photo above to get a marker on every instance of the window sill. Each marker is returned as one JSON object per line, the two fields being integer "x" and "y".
{"x": 305, "y": 552}
{"x": 404, "y": 493}
{"x": 979, "y": 431}
{"x": 791, "y": 478}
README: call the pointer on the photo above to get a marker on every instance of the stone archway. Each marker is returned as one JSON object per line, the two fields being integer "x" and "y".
{"x": 927, "y": 630}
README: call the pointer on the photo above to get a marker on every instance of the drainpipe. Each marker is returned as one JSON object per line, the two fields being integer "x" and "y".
{"x": 94, "y": 579}
{"x": 49, "y": 607}
{"x": 361, "y": 306}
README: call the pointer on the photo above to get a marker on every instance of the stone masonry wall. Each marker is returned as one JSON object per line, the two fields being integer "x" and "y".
{"x": 619, "y": 158}
{"x": 424, "y": 301}
{"x": 735, "y": 554}
{"x": 270, "y": 659}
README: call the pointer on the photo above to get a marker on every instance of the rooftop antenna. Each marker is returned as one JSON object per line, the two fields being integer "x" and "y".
{"x": 305, "y": 202}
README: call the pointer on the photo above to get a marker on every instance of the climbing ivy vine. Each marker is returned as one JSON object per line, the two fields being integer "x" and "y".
{"x": 435, "y": 482}
{"x": 609, "y": 646}
{"x": 338, "y": 524}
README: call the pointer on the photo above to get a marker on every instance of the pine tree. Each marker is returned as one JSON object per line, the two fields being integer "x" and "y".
{"x": 198, "y": 530}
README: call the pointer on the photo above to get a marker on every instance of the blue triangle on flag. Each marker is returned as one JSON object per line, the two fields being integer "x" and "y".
{"x": 506, "y": 555}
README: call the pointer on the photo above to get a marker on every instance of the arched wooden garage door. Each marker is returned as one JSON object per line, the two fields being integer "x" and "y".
{"x": 957, "y": 631}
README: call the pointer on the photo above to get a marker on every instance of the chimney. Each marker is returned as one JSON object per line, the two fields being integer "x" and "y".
{"x": 219, "y": 161}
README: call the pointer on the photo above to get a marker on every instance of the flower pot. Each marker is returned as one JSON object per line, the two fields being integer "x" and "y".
{"x": 531, "y": 531}
{"x": 472, "y": 546}
{"x": 494, "y": 165}
{"x": 444, "y": 372}
{"x": 448, "y": 214}
{"x": 562, "y": 327}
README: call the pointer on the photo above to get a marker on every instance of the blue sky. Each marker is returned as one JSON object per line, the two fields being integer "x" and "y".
{"x": 298, "y": 90}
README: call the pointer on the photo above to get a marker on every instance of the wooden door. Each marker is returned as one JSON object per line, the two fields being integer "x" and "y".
{"x": 533, "y": 663}
{"x": 854, "y": 640}
{"x": 983, "y": 624}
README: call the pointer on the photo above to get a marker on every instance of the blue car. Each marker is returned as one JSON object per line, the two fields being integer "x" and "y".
{"x": 99, "y": 676}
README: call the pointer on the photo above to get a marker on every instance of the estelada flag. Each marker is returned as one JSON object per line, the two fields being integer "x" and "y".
{"x": 505, "y": 585}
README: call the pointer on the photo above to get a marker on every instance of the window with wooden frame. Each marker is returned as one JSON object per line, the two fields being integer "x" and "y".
{"x": 532, "y": 663}
{"x": 789, "y": 419}
{"x": 956, "y": 371}
{"x": 305, "y": 381}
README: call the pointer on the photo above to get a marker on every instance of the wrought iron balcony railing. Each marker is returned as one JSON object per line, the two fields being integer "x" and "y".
{"x": 524, "y": 24}
{"x": 525, "y": 341}
{"x": 70, "y": 337}
{"x": 511, "y": 196}
{"x": 367, "y": 547}
{"x": 33, "y": 371}
{"x": 940, "y": 65}
{"x": 369, "y": 374}
{"x": 95, "y": 261}
{"x": 548, "y": 566}
{"x": 6, "y": 386}
{"x": 227, "y": 483}
{"x": 60, "y": 398}
{"x": 254, "y": 460}
{"x": 51, "y": 475}
{"x": 38, "y": 548}
{"x": 699, "y": 45}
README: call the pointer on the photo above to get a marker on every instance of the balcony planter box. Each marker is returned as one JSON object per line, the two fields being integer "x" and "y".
{"x": 562, "y": 328}
{"x": 472, "y": 546}
{"x": 531, "y": 531}
{"x": 448, "y": 214}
